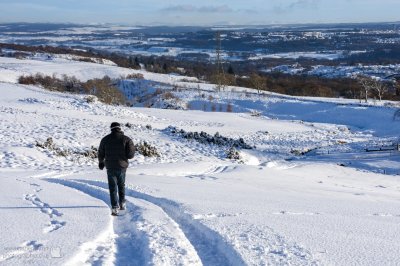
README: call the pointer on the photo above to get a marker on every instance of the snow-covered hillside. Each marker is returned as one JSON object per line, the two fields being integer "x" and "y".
{"x": 191, "y": 205}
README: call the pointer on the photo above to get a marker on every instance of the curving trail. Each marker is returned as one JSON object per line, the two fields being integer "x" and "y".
{"x": 152, "y": 231}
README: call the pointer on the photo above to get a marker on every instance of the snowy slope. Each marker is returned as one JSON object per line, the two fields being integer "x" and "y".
{"x": 191, "y": 205}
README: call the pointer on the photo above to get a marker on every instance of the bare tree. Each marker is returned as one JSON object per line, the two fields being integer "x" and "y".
{"x": 257, "y": 81}
{"x": 379, "y": 87}
{"x": 367, "y": 86}
{"x": 220, "y": 74}
{"x": 372, "y": 84}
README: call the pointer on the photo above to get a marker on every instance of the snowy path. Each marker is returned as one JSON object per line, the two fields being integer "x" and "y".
{"x": 152, "y": 231}
{"x": 191, "y": 205}
{"x": 49, "y": 220}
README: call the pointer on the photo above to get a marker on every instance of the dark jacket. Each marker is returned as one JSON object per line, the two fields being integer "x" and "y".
{"x": 115, "y": 149}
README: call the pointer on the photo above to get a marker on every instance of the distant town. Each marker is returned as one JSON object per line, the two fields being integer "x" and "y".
{"x": 328, "y": 51}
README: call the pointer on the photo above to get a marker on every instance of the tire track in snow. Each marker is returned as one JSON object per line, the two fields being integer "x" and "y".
{"x": 142, "y": 235}
{"x": 209, "y": 245}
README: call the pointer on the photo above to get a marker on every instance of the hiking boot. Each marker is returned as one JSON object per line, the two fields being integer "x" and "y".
{"x": 122, "y": 206}
{"x": 114, "y": 211}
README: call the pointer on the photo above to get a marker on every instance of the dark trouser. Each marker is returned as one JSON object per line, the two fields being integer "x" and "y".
{"x": 116, "y": 184}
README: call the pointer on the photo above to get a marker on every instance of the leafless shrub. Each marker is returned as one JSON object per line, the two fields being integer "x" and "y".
{"x": 158, "y": 91}
{"x": 91, "y": 99}
{"x": 302, "y": 152}
{"x": 102, "y": 88}
{"x": 89, "y": 153}
{"x": 169, "y": 95}
{"x": 105, "y": 91}
{"x": 258, "y": 82}
{"x": 233, "y": 154}
{"x": 255, "y": 113}
{"x": 51, "y": 146}
{"x": 48, "y": 144}
{"x": 135, "y": 76}
{"x": 87, "y": 59}
{"x": 27, "y": 80}
{"x": 146, "y": 149}
{"x": 188, "y": 80}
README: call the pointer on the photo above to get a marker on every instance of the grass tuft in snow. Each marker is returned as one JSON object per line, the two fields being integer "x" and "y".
{"x": 49, "y": 145}
{"x": 146, "y": 149}
{"x": 234, "y": 154}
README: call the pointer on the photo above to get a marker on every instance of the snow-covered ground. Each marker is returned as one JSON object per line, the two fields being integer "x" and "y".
{"x": 332, "y": 55}
{"x": 375, "y": 71}
{"x": 191, "y": 205}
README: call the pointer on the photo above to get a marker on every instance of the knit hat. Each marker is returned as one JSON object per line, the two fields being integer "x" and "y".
{"x": 115, "y": 125}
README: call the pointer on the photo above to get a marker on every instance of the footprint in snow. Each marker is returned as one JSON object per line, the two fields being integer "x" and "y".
{"x": 35, "y": 245}
{"x": 53, "y": 225}
{"x": 45, "y": 208}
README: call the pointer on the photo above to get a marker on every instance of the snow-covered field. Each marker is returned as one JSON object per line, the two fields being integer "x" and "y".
{"x": 376, "y": 71}
{"x": 332, "y": 55}
{"x": 191, "y": 205}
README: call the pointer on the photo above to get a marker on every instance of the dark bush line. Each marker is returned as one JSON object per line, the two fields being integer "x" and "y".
{"x": 90, "y": 53}
{"x": 206, "y": 138}
{"x": 102, "y": 88}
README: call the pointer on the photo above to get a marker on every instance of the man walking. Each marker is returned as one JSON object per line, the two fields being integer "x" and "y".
{"x": 114, "y": 151}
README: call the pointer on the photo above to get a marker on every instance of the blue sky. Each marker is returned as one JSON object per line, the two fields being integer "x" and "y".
{"x": 205, "y": 12}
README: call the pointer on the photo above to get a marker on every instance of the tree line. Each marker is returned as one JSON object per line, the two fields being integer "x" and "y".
{"x": 243, "y": 74}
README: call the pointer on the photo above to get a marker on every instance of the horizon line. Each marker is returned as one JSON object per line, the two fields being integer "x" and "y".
{"x": 205, "y": 25}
